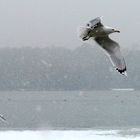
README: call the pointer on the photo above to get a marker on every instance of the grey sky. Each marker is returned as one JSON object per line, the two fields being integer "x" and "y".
{"x": 54, "y": 22}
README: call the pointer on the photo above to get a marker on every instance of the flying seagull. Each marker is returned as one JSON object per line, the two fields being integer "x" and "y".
{"x": 96, "y": 30}
{"x": 2, "y": 118}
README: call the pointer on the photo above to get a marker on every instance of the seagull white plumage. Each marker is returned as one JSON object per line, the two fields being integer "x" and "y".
{"x": 100, "y": 33}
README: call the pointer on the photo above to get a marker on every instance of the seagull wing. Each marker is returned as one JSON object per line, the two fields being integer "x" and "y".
{"x": 95, "y": 23}
{"x": 113, "y": 50}
{"x": 2, "y": 118}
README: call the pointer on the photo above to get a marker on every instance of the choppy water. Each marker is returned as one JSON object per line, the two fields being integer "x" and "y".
{"x": 70, "y": 110}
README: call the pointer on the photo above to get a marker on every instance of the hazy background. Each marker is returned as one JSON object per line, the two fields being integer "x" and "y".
{"x": 58, "y": 68}
{"x": 42, "y": 23}
{"x": 36, "y": 37}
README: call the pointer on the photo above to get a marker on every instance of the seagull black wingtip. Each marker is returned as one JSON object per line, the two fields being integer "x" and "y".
{"x": 122, "y": 71}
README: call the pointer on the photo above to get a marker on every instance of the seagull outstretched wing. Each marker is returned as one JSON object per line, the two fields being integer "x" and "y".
{"x": 113, "y": 50}
{"x": 94, "y": 23}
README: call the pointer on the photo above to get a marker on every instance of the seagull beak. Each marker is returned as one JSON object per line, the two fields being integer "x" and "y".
{"x": 116, "y": 31}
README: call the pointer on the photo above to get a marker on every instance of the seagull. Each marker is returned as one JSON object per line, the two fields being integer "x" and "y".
{"x": 100, "y": 34}
{"x": 3, "y": 118}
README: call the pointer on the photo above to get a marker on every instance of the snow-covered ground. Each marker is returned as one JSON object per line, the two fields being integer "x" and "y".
{"x": 67, "y": 135}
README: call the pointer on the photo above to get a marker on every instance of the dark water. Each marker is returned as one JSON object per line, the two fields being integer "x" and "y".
{"x": 70, "y": 110}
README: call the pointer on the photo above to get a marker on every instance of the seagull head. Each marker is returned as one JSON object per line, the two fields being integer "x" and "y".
{"x": 110, "y": 30}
